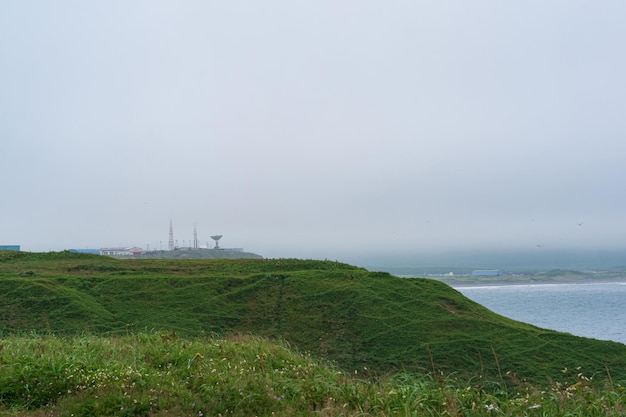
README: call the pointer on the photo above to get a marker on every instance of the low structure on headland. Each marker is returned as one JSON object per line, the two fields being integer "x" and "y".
{"x": 202, "y": 253}
{"x": 179, "y": 253}
{"x": 486, "y": 273}
{"x": 126, "y": 251}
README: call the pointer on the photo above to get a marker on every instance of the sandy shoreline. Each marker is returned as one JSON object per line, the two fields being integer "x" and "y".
{"x": 530, "y": 281}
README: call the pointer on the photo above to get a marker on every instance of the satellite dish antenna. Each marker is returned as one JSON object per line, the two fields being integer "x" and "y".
{"x": 216, "y": 238}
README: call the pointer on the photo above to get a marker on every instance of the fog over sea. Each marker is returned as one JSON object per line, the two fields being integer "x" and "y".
{"x": 590, "y": 310}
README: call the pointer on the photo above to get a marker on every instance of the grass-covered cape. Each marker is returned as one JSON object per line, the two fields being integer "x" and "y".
{"x": 356, "y": 318}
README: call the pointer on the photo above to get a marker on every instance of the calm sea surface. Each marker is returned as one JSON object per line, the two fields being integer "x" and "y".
{"x": 590, "y": 310}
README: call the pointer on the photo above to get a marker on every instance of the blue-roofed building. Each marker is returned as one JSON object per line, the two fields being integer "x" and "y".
{"x": 486, "y": 273}
{"x": 91, "y": 251}
{"x": 10, "y": 247}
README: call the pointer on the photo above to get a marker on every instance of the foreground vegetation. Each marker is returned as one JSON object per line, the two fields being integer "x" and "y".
{"x": 164, "y": 375}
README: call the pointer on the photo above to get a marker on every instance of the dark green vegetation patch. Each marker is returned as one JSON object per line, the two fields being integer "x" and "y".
{"x": 347, "y": 314}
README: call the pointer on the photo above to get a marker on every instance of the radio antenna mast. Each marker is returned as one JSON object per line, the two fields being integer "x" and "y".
{"x": 171, "y": 241}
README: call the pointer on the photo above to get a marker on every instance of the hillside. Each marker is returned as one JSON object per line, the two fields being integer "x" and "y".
{"x": 347, "y": 314}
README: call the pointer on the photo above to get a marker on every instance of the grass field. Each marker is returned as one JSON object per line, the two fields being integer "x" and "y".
{"x": 164, "y": 375}
{"x": 363, "y": 332}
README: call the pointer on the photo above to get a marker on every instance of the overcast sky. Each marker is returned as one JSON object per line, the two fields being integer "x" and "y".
{"x": 313, "y": 128}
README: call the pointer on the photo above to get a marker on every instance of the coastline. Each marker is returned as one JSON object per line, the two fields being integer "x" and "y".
{"x": 531, "y": 281}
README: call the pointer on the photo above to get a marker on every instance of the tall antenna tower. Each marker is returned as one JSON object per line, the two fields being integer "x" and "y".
{"x": 195, "y": 237}
{"x": 171, "y": 241}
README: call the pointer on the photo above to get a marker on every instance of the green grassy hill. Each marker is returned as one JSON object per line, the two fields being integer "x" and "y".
{"x": 333, "y": 310}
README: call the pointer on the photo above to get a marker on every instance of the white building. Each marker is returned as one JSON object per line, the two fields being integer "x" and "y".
{"x": 121, "y": 251}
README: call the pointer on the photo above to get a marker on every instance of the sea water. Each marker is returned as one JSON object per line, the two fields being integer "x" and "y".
{"x": 590, "y": 310}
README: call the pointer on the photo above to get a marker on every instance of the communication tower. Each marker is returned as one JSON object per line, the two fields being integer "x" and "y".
{"x": 216, "y": 238}
{"x": 170, "y": 245}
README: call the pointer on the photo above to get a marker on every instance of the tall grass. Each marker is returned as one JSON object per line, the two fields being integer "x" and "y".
{"x": 150, "y": 374}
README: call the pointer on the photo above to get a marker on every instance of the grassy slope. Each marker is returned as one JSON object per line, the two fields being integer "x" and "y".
{"x": 347, "y": 314}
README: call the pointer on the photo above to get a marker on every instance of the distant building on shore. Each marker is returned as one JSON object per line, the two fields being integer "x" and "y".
{"x": 10, "y": 247}
{"x": 90, "y": 251}
{"x": 486, "y": 273}
{"x": 132, "y": 251}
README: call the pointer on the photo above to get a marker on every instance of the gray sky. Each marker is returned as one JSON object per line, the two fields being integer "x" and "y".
{"x": 313, "y": 128}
